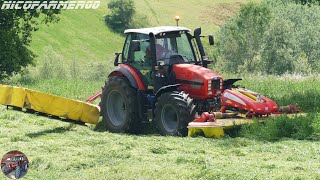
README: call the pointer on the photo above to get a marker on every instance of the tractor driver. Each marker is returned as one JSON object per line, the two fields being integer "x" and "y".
{"x": 161, "y": 53}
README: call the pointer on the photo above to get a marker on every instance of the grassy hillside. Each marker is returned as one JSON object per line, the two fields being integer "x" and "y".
{"x": 82, "y": 35}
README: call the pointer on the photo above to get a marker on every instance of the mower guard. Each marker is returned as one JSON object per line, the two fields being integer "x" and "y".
{"x": 74, "y": 110}
{"x": 217, "y": 128}
{"x": 248, "y": 104}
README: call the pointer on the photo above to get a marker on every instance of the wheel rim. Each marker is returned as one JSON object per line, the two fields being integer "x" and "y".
{"x": 116, "y": 108}
{"x": 169, "y": 118}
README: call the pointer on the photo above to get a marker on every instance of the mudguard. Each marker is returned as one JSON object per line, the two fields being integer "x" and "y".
{"x": 131, "y": 74}
{"x": 165, "y": 89}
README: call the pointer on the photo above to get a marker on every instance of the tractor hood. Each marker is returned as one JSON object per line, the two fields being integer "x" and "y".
{"x": 197, "y": 81}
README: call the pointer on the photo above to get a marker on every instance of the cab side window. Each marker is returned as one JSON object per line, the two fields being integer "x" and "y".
{"x": 132, "y": 54}
{"x": 126, "y": 47}
{"x": 141, "y": 54}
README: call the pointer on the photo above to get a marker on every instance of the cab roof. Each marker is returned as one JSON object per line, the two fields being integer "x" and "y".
{"x": 157, "y": 30}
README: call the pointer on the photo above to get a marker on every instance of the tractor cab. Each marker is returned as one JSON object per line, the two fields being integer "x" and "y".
{"x": 153, "y": 51}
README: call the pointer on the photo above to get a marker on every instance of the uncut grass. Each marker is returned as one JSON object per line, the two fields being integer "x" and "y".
{"x": 296, "y": 127}
{"x": 287, "y": 90}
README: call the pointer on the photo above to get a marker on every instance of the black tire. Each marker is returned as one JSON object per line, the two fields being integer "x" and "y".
{"x": 119, "y": 105}
{"x": 174, "y": 110}
{"x": 17, "y": 172}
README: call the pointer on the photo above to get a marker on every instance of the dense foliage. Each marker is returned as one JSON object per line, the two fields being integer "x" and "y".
{"x": 273, "y": 37}
{"x": 307, "y": 2}
{"x": 15, "y": 35}
{"x": 123, "y": 15}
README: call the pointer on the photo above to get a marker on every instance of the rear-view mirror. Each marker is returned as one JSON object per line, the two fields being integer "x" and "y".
{"x": 211, "y": 40}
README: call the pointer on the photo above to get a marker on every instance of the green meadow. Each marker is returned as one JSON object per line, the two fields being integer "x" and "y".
{"x": 75, "y": 56}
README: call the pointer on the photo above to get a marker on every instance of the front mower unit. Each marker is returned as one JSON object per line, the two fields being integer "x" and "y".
{"x": 247, "y": 101}
{"x": 252, "y": 106}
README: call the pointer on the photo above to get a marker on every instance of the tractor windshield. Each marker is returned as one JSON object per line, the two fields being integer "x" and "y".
{"x": 174, "y": 44}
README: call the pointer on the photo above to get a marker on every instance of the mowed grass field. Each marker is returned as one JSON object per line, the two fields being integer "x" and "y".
{"x": 82, "y": 48}
{"x": 59, "y": 150}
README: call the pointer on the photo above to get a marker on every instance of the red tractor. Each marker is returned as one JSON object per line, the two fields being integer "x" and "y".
{"x": 15, "y": 163}
{"x": 162, "y": 77}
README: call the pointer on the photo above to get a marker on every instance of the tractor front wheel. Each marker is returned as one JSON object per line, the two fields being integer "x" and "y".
{"x": 118, "y": 105}
{"x": 174, "y": 110}
{"x": 17, "y": 172}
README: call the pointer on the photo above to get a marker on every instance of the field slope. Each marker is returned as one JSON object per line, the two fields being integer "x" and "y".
{"x": 82, "y": 35}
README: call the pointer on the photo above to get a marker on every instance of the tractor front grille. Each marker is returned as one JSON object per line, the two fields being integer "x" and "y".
{"x": 216, "y": 84}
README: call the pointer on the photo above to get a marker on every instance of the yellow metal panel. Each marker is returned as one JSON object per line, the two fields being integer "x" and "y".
{"x": 53, "y": 105}
{"x": 208, "y": 129}
{"x": 49, "y": 104}
{"x": 90, "y": 113}
{"x": 63, "y": 107}
{"x": 12, "y": 96}
{"x": 213, "y": 132}
{"x": 210, "y": 132}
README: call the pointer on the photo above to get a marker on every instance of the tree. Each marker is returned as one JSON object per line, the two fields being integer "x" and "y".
{"x": 303, "y": 34}
{"x": 241, "y": 37}
{"x": 121, "y": 15}
{"x": 15, "y": 36}
{"x": 273, "y": 37}
{"x": 277, "y": 52}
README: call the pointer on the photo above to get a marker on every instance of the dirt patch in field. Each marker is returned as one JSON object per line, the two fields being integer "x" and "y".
{"x": 219, "y": 13}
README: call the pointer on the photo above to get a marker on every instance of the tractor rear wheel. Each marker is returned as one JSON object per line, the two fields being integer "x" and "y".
{"x": 174, "y": 110}
{"x": 118, "y": 105}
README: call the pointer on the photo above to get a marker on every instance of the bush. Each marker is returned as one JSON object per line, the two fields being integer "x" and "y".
{"x": 240, "y": 38}
{"x": 52, "y": 66}
{"x": 273, "y": 37}
{"x": 124, "y": 16}
{"x": 121, "y": 15}
{"x": 277, "y": 55}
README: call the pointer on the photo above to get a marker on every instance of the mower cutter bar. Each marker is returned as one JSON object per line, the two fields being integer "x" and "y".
{"x": 215, "y": 129}
{"x": 51, "y": 105}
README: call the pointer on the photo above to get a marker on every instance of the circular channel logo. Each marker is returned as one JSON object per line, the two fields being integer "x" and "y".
{"x": 14, "y": 164}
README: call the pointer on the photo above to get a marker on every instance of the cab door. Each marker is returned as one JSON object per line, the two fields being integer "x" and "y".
{"x": 137, "y": 55}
